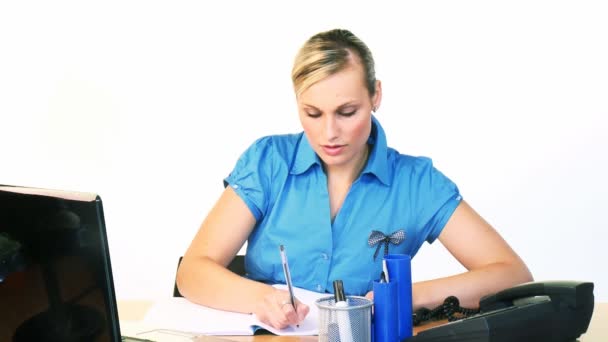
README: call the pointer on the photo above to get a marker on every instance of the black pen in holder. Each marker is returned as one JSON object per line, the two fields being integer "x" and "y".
{"x": 344, "y": 318}
{"x": 344, "y": 325}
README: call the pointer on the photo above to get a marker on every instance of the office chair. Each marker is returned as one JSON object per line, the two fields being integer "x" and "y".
{"x": 237, "y": 265}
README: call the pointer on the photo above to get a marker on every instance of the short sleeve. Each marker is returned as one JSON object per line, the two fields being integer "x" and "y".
{"x": 250, "y": 178}
{"x": 437, "y": 197}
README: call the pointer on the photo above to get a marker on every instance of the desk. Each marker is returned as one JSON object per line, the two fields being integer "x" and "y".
{"x": 135, "y": 311}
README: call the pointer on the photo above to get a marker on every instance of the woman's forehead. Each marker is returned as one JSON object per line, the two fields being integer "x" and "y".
{"x": 347, "y": 84}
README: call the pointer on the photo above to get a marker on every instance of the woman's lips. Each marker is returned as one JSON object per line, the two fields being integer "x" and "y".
{"x": 333, "y": 150}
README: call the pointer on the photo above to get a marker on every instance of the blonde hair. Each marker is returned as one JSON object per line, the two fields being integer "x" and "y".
{"x": 326, "y": 53}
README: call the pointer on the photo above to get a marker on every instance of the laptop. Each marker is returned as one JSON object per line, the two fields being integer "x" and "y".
{"x": 55, "y": 273}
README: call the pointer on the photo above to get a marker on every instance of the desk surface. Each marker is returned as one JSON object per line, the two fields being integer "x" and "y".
{"x": 130, "y": 310}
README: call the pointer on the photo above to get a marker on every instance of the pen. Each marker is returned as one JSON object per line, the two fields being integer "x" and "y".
{"x": 344, "y": 326}
{"x": 385, "y": 270}
{"x": 292, "y": 298}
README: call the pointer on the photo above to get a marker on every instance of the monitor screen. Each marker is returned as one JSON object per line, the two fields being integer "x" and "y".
{"x": 55, "y": 274}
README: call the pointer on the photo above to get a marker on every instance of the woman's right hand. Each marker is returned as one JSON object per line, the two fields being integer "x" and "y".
{"x": 275, "y": 309}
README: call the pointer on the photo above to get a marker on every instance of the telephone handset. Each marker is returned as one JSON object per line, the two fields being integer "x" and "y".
{"x": 535, "y": 311}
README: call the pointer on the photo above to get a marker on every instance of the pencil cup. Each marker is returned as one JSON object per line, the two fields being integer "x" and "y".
{"x": 347, "y": 322}
{"x": 400, "y": 271}
{"x": 386, "y": 326}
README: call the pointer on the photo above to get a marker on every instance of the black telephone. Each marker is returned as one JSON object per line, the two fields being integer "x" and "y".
{"x": 536, "y": 311}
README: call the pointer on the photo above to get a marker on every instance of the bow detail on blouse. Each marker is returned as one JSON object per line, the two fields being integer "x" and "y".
{"x": 378, "y": 238}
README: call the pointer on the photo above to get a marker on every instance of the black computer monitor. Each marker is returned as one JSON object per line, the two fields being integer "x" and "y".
{"x": 55, "y": 273}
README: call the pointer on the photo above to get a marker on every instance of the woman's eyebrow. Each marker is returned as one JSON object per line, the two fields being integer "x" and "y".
{"x": 346, "y": 104}
{"x": 310, "y": 106}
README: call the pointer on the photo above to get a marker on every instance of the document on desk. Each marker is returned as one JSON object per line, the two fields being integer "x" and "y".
{"x": 179, "y": 314}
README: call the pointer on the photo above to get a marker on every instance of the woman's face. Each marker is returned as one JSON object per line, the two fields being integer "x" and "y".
{"x": 336, "y": 116}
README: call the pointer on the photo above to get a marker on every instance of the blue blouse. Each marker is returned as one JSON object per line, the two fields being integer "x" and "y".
{"x": 282, "y": 181}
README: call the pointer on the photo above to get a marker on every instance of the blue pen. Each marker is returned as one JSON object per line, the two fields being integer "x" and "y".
{"x": 292, "y": 298}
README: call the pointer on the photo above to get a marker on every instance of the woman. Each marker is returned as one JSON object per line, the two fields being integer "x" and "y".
{"x": 322, "y": 193}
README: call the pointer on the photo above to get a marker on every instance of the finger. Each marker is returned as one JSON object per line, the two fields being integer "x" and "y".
{"x": 370, "y": 295}
{"x": 273, "y": 312}
{"x": 270, "y": 318}
{"x": 280, "y": 322}
{"x": 302, "y": 311}
{"x": 278, "y": 318}
{"x": 283, "y": 313}
{"x": 290, "y": 313}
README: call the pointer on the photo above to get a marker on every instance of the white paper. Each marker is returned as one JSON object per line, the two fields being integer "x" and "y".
{"x": 179, "y": 314}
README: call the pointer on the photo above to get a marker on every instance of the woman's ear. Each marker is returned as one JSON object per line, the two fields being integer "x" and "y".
{"x": 377, "y": 98}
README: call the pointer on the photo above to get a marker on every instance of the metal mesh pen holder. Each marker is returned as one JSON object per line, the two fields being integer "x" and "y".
{"x": 345, "y": 323}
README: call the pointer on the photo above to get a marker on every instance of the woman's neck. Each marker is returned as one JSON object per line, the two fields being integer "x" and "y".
{"x": 350, "y": 171}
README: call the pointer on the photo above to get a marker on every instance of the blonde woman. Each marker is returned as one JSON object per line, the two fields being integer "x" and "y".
{"x": 338, "y": 198}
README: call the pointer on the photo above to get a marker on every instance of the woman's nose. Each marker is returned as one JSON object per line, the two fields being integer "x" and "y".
{"x": 330, "y": 127}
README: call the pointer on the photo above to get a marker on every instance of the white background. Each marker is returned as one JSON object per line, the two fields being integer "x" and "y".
{"x": 150, "y": 104}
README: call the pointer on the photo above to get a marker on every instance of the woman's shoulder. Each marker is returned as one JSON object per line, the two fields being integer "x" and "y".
{"x": 402, "y": 161}
{"x": 281, "y": 146}
{"x": 416, "y": 169}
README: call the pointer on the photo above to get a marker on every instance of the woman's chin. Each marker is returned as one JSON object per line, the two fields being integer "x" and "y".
{"x": 334, "y": 161}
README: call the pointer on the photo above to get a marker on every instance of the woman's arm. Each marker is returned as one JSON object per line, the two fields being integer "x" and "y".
{"x": 492, "y": 265}
{"x": 203, "y": 278}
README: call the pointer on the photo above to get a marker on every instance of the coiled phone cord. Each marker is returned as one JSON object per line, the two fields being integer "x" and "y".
{"x": 450, "y": 309}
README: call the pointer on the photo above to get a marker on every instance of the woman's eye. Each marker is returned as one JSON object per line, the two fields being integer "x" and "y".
{"x": 313, "y": 115}
{"x": 348, "y": 113}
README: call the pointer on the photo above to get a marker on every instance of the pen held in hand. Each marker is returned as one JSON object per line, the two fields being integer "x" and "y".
{"x": 287, "y": 274}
